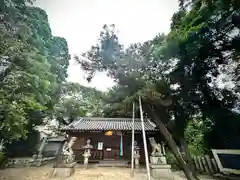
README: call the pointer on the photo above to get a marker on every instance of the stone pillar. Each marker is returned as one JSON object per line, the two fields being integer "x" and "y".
{"x": 163, "y": 148}
{"x": 42, "y": 145}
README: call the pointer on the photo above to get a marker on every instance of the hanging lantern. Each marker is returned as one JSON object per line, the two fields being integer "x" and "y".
{"x": 109, "y": 133}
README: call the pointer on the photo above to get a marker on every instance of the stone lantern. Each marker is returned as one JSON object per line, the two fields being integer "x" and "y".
{"x": 136, "y": 154}
{"x": 87, "y": 152}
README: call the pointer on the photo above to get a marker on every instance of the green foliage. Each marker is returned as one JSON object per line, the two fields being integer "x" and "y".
{"x": 2, "y": 158}
{"x": 194, "y": 135}
{"x": 171, "y": 160}
{"x": 77, "y": 101}
{"x": 33, "y": 66}
{"x": 201, "y": 50}
{"x": 23, "y": 147}
{"x": 200, "y": 43}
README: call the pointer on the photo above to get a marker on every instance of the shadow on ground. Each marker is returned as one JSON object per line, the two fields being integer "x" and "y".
{"x": 43, "y": 173}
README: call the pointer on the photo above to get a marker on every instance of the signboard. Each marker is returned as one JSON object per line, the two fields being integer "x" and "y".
{"x": 228, "y": 160}
{"x": 100, "y": 146}
{"x": 119, "y": 133}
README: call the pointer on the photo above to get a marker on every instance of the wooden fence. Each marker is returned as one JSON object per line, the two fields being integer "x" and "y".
{"x": 205, "y": 164}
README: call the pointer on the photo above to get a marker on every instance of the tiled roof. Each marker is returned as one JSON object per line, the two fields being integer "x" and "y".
{"x": 56, "y": 139}
{"x": 91, "y": 124}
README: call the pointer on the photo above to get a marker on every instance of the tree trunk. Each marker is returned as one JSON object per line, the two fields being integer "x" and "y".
{"x": 188, "y": 156}
{"x": 171, "y": 143}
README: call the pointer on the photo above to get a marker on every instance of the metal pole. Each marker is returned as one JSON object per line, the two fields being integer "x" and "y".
{"x": 133, "y": 116}
{"x": 144, "y": 140}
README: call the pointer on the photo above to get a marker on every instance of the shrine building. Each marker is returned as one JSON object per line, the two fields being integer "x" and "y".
{"x": 111, "y": 138}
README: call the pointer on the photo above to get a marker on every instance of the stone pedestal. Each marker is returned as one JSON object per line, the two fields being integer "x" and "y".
{"x": 38, "y": 159}
{"x": 159, "y": 167}
{"x": 136, "y": 160}
{"x": 64, "y": 170}
{"x": 159, "y": 171}
{"x": 158, "y": 160}
{"x": 86, "y": 157}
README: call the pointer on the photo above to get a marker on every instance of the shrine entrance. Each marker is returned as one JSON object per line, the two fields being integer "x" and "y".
{"x": 113, "y": 145}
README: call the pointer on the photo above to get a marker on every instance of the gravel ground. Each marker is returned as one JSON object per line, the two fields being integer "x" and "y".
{"x": 43, "y": 173}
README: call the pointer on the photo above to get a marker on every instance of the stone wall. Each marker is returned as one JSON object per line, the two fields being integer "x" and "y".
{"x": 52, "y": 149}
{"x": 27, "y": 162}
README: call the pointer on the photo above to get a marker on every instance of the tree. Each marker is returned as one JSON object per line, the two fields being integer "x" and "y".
{"x": 201, "y": 44}
{"x": 194, "y": 134}
{"x": 204, "y": 45}
{"x": 33, "y": 66}
{"x": 77, "y": 101}
{"x": 188, "y": 58}
{"x": 127, "y": 68}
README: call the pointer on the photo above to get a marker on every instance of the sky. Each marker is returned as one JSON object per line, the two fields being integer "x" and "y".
{"x": 80, "y": 23}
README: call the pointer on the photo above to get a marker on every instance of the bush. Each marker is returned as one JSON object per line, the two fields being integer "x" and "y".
{"x": 172, "y": 161}
{"x": 2, "y": 159}
{"x": 23, "y": 147}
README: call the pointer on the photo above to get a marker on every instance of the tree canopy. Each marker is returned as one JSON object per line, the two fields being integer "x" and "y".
{"x": 33, "y": 66}
{"x": 33, "y": 72}
{"x": 77, "y": 101}
{"x": 183, "y": 66}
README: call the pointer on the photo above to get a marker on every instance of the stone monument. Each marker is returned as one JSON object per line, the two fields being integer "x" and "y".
{"x": 87, "y": 152}
{"x": 66, "y": 161}
{"x": 38, "y": 158}
{"x": 136, "y": 155}
{"x": 158, "y": 164}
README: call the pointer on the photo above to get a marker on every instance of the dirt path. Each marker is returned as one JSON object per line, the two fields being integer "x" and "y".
{"x": 42, "y": 173}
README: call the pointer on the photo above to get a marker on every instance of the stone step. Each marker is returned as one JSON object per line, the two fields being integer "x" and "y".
{"x": 112, "y": 165}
